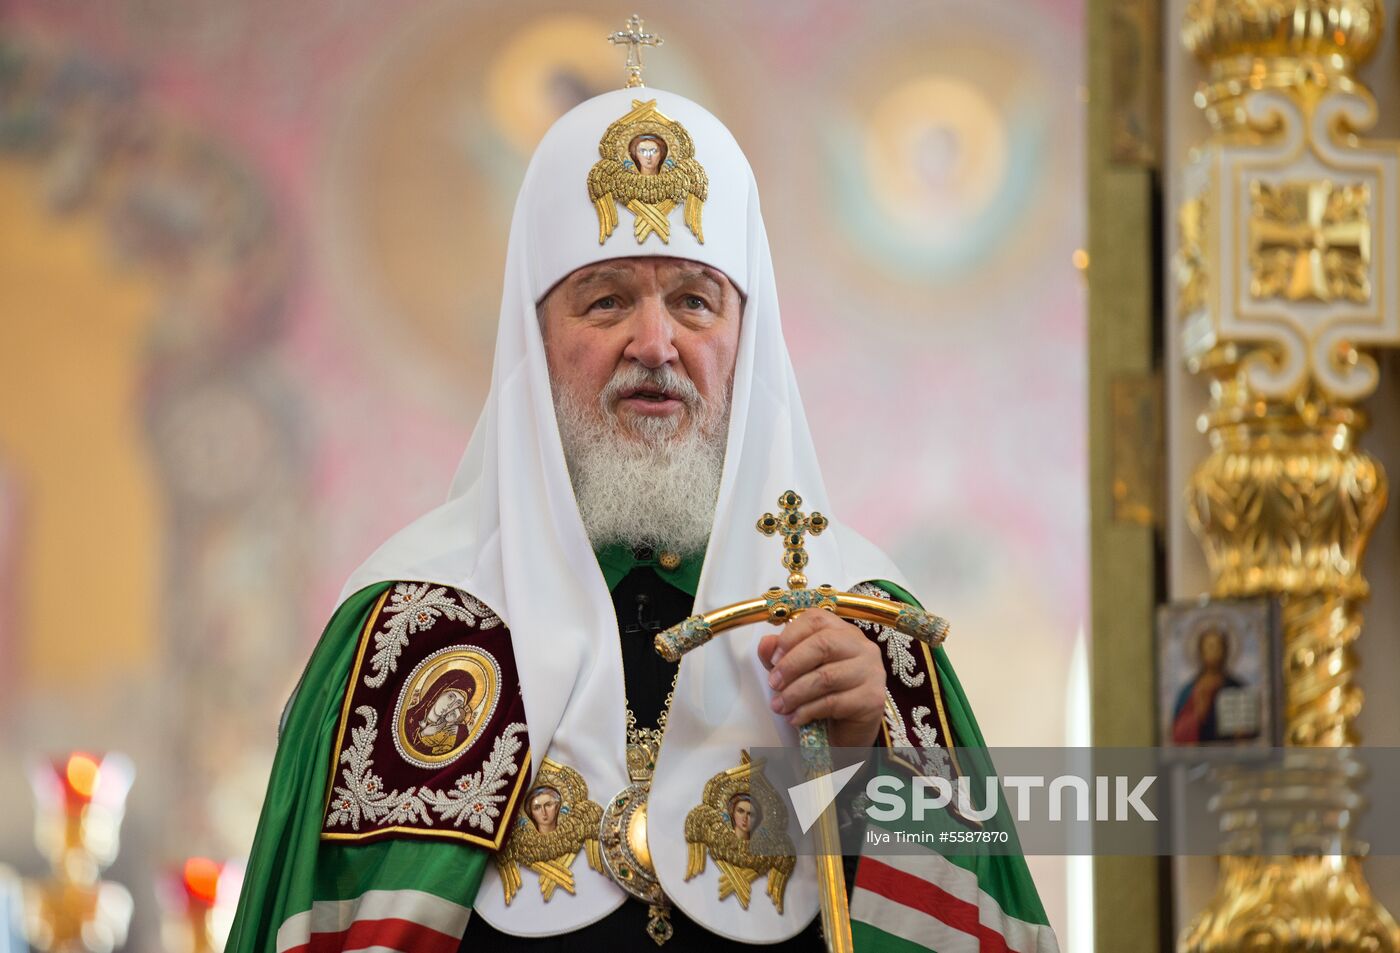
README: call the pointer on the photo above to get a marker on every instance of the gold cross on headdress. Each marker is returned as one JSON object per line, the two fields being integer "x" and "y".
{"x": 794, "y": 525}
{"x": 635, "y": 38}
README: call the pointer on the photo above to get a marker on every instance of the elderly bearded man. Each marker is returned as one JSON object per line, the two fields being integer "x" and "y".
{"x": 642, "y": 413}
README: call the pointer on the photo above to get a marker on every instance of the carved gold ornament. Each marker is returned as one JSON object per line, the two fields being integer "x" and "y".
{"x": 1289, "y": 227}
{"x": 1310, "y": 240}
{"x": 1300, "y": 204}
{"x": 1253, "y": 45}
{"x": 648, "y": 166}
{"x": 556, "y": 821}
{"x": 1190, "y": 263}
{"x": 1285, "y": 505}
{"x": 726, "y": 824}
{"x": 1292, "y": 211}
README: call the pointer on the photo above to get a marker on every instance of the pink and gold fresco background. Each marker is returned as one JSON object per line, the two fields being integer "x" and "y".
{"x": 250, "y": 262}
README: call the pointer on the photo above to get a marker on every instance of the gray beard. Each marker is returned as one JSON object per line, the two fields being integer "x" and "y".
{"x": 644, "y": 484}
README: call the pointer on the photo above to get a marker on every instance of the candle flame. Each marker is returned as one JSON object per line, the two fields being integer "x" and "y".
{"x": 82, "y": 774}
{"x": 202, "y": 879}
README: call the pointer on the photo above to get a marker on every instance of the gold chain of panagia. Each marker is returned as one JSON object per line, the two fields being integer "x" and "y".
{"x": 650, "y": 736}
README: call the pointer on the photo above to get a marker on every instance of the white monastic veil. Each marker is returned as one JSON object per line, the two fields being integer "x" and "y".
{"x": 510, "y": 533}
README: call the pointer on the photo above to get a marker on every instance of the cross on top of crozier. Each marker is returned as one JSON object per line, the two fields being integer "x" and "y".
{"x": 778, "y": 606}
{"x": 793, "y": 525}
{"x": 635, "y": 37}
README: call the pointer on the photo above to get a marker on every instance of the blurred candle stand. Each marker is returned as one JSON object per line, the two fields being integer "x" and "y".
{"x": 79, "y": 803}
{"x": 198, "y": 901}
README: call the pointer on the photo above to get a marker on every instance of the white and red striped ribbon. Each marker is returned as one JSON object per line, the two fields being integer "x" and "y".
{"x": 377, "y": 921}
{"x": 928, "y": 900}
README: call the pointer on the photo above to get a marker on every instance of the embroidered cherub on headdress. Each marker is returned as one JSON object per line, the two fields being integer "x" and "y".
{"x": 648, "y": 165}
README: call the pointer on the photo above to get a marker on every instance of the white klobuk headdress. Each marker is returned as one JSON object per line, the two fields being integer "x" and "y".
{"x": 510, "y": 532}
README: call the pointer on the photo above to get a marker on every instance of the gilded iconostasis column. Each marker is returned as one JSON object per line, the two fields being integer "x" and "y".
{"x": 1286, "y": 274}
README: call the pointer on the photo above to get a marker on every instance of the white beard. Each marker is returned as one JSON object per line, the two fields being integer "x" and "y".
{"x": 641, "y": 484}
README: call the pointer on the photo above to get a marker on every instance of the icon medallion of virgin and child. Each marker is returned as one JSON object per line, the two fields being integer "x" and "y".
{"x": 556, "y": 822}
{"x": 445, "y": 703}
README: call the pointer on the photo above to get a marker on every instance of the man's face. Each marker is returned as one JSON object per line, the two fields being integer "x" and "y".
{"x": 675, "y": 318}
{"x": 1212, "y": 649}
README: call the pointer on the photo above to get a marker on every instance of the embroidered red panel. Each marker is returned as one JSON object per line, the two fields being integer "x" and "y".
{"x": 432, "y": 740}
{"x": 914, "y": 715}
